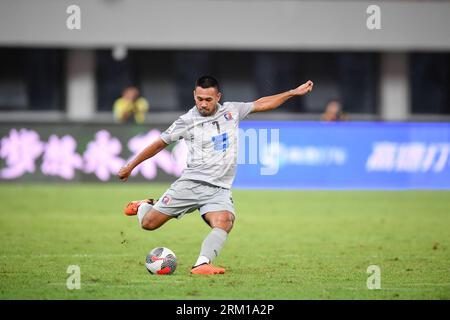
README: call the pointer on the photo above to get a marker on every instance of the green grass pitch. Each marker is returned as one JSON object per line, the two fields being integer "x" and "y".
{"x": 285, "y": 245}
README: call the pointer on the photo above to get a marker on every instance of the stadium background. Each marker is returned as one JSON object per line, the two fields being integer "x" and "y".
{"x": 57, "y": 87}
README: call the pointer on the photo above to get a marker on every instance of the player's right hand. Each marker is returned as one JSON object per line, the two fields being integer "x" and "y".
{"x": 124, "y": 172}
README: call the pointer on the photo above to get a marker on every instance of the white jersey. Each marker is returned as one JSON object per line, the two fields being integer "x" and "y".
{"x": 212, "y": 142}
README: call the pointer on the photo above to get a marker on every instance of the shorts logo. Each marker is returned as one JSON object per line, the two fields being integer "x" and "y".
{"x": 228, "y": 116}
{"x": 166, "y": 200}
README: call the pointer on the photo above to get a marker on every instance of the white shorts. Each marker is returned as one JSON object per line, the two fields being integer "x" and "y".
{"x": 185, "y": 196}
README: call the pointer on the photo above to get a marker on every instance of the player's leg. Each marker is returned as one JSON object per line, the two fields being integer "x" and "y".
{"x": 153, "y": 219}
{"x": 218, "y": 212}
{"x": 174, "y": 203}
{"x": 221, "y": 223}
{"x": 149, "y": 218}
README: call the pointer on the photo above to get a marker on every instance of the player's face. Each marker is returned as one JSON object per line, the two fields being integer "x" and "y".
{"x": 206, "y": 100}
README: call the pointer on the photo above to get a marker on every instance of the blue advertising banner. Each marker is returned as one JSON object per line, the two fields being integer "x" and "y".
{"x": 271, "y": 154}
{"x": 343, "y": 155}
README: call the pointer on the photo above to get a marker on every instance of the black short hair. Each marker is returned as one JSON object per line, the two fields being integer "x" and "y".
{"x": 207, "y": 82}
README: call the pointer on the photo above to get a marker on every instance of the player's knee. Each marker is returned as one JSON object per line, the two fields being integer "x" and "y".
{"x": 224, "y": 221}
{"x": 228, "y": 226}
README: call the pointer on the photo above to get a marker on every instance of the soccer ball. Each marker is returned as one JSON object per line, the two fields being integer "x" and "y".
{"x": 161, "y": 261}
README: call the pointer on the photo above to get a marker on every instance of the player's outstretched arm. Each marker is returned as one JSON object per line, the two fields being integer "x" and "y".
{"x": 145, "y": 154}
{"x": 273, "y": 102}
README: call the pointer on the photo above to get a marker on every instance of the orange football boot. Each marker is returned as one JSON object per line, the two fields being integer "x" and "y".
{"x": 133, "y": 206}
{"x": 207, "y": 268}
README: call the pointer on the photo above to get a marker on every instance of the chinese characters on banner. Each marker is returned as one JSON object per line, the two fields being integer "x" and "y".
{"x": 21, "y": 148}
{"x": 408, "y": 157}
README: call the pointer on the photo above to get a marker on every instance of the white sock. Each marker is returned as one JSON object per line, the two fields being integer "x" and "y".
{"x": 143, "y": 209}
{"x": 201, "y": 260}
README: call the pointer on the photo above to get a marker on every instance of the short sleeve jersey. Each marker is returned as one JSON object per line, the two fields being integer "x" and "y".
{"x": 212, "y": 142}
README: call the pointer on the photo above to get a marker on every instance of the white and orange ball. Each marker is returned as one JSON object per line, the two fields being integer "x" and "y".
{"x": 161, "y": 261}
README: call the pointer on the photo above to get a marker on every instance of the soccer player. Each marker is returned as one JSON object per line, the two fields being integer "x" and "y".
{"x": 211, "y": 131}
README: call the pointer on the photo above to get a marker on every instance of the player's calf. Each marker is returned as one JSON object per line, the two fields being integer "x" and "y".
{"x": 154, "y": 219}
{"x": 150, "y": 225}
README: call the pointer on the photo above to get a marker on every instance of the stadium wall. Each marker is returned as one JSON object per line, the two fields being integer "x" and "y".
{"x": 252, "y": 24}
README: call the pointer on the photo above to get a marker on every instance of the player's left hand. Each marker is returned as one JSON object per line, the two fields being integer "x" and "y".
{"x": 304, "y": 88}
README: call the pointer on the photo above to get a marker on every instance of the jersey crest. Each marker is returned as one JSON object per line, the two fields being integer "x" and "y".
{"x": 228, "y": 116}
